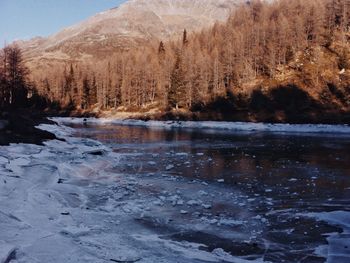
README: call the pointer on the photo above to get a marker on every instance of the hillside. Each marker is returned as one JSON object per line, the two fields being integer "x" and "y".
{"x": 134, "y": 23}
{"x": 271, "y": 61}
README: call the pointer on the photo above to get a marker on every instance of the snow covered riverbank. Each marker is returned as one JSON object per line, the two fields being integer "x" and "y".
{"x": 208, "y": 126}
{"x": 64, "y": 202}
{"x": 59, "y": 203}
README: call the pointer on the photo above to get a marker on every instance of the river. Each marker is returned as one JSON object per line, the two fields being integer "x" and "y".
{"x": 177, "y": 192}
{"x": 282, "y": 197}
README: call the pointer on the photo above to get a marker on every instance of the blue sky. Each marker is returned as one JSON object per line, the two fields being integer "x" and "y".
{"x": 24, "y": 19}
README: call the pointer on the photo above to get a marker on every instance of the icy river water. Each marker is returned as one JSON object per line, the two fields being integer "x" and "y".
{"x": 170, "y": 192}
{"x": 282, "y": 197}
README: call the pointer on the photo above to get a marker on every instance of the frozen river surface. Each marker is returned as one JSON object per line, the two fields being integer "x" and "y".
{"x": 131, "y": 192}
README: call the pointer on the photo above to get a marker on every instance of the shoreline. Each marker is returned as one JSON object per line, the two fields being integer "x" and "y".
{"x": 240, "y": 116}
{"x": 217, "y": 127}
{"x": 20, "y": 126}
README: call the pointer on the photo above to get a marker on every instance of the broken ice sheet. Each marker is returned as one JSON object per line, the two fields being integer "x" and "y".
{"x": 111, "y": 209}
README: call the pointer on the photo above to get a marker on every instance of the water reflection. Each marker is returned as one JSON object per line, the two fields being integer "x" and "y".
{"x": 292, "y": 167}
{"x": 274, "y": 172}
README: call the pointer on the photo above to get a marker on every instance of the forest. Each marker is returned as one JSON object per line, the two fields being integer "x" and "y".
{"x": 21, "y": 105}
{"x": 271, "y": 61}
{"x": 16, "y": 89}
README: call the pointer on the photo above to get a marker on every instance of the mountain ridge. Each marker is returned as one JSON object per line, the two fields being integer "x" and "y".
{"x": 131, "y": 24}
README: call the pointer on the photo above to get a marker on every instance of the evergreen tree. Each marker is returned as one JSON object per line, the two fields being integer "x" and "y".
{"x": 74, "y": 87}
{"x": 86, "y": 93}
{"x": 177, "y": 92}
{"x": 70, "y": 87}
{"x": 161, "y": 49}
{"x": 118, "y": 96}
{"x": 184, "y": 38}
{"x": 47, "y": 88}
{"x": 257, "y": 43}
{"x": 92, "y": 100}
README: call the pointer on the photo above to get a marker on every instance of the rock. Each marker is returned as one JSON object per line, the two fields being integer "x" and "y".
{"x": 7, "y": 252}
{"x": 183, "y": 212}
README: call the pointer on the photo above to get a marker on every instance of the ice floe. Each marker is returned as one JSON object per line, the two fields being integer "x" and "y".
{"x": 338, "y": 246}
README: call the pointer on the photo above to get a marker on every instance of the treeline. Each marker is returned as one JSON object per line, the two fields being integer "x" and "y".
{"x": 13, "y": 78}
{"x": 256, "y": 43}
{"x": 16, "y": 90}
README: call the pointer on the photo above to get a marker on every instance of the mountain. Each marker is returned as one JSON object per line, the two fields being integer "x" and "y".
{"x": 133, "y": 23}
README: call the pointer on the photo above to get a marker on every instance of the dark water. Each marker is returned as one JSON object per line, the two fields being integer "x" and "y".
{"x": 293, "y": 173}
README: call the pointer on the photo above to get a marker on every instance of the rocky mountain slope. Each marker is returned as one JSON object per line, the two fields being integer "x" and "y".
{"x": 133, "y": 23}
